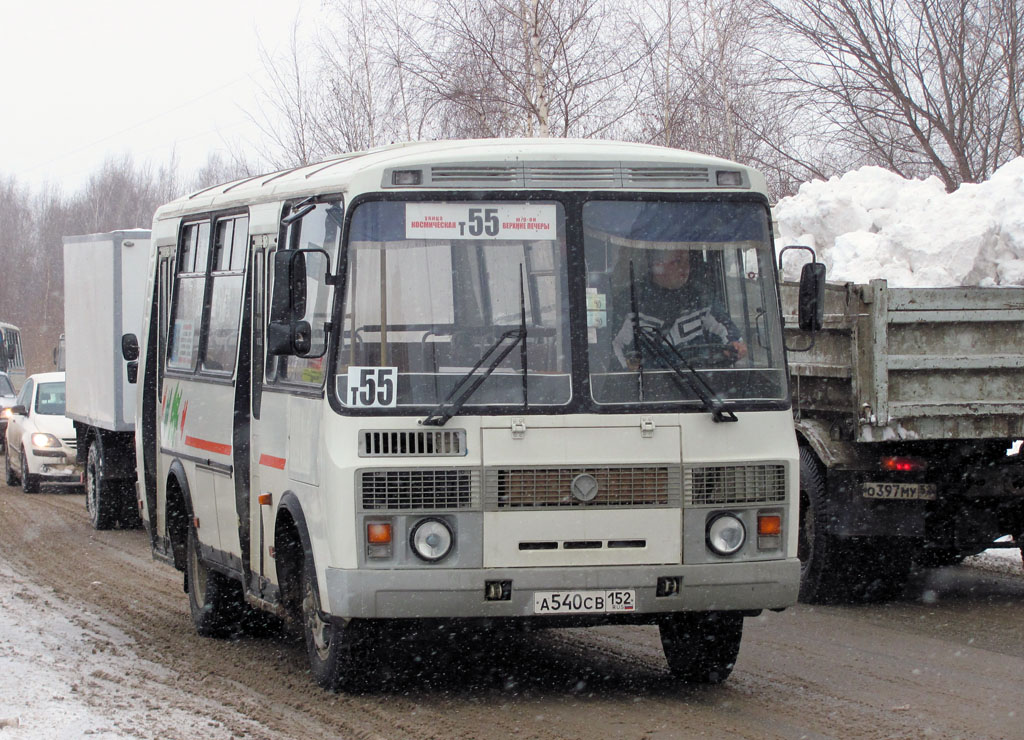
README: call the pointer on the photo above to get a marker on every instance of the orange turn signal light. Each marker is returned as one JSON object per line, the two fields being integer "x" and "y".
{"x": 769, "y": 525}
{"x": 378, "y": 533}
{"x": 265, "y": 499}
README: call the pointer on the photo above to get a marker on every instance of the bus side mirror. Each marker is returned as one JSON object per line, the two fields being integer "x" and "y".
{"x": 130, "y": 352}
{"x": 811, "y": 301}
{"x": 130, "y": 347}
{"x": 288, "y": 333}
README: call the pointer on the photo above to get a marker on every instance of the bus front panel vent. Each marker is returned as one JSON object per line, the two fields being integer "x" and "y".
{"x": 412, "y": 443}
{"x": 428, "y": 489}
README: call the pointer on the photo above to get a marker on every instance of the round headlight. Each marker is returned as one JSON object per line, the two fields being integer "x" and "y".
{"x": 431, "y": 539}
{"x": 726, "y": 534}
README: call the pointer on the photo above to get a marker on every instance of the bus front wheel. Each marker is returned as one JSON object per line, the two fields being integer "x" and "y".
{"x": 701, "y": 647}
{"x": 330, "y": 643}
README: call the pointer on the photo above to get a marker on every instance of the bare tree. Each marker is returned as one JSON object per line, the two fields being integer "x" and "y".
{"x": 920, "y": 86}
{"x": 289, "y": 119}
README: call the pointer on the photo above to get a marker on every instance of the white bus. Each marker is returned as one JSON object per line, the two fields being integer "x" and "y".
{"x": 12, "y": 359}
{"x": 424, "y": 383}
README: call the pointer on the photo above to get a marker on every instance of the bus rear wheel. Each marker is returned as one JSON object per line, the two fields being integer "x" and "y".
{"x": 215, "y": 601}
{"x": 331, "y": 644}
{"x": 701, "y": 647}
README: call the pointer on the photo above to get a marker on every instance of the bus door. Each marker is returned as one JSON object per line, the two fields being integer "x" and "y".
{"x": 287, "y": 391}
{"x": 152, "y": 379}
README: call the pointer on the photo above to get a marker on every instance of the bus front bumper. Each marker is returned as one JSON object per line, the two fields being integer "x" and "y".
{"x": 426, "y": 593}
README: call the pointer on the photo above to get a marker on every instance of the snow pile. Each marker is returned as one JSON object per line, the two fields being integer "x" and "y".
{"x": 872, "y": 223}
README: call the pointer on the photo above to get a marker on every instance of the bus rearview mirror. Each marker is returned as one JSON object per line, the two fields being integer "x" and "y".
{"x": 811, "y": 303}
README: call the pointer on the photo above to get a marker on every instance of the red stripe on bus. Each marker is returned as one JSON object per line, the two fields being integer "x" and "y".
{"x": 205, "y": 444}
{"x": 272, "y": 462}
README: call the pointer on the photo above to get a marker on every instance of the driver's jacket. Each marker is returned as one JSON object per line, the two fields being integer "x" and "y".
{"x": 681, "y": 316}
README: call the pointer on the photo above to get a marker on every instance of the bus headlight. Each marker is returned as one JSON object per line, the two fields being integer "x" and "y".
{"x": 726, "y": 534}
{"x": 431, "y": 539}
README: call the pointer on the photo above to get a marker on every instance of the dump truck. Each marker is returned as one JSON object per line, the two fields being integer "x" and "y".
{"x": 104, "y": 288}
{"x": 907, "y": 404}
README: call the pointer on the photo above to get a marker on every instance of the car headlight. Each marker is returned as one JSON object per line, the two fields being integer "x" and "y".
{"x": 431, "y": 539}
{"x": 44, "y": 440}
{"x": 6, "y": 414}
{"x": 726, "y": 534}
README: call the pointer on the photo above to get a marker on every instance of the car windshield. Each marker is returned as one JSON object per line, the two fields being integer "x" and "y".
{"x": 50, "y": 399}
{"x": 677, "y": 284}
{"x": 6, "y": 389}
{"x": 436, "y": 288}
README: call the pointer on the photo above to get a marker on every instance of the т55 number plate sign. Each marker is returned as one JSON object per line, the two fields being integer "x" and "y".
{"x": 372, "y": 387}
{"x": 479, "y": 221}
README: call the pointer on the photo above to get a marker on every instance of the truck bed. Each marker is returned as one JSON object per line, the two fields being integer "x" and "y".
{"x": 912, "y": 363}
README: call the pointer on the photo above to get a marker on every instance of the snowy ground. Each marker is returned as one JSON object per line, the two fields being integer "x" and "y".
{"x": 49, "y": 647}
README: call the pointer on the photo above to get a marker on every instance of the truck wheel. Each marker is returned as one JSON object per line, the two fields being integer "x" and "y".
{"x": 29, "y": 482}
{"x": 99, "y": 494}
{"x": 701, "y": 647}
{"x": 331, "y": 644}
{"x": 215, "y": 600}
{"x": 8, "y": 470}
{"x": 822, "y": 563}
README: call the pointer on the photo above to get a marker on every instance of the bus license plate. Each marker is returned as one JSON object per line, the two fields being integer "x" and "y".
{"x": 584, "y": 602}
{"x": 899, "y": 491}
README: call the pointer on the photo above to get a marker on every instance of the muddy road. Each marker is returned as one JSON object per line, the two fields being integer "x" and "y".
{"x": 947, "y": 661}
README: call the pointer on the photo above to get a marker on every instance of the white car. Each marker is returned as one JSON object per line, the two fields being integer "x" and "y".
{"x": 40, "y": 439}
{"x": 6, "y": 401}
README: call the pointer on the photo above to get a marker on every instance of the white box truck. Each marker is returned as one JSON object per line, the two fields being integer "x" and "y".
{"x": 104, "y": 288}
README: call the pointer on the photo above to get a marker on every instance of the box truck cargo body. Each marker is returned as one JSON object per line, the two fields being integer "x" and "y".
{"x": 104, "y": 287}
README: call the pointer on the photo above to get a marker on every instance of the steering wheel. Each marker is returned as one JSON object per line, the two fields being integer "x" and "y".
{"x": 709, "y": 354}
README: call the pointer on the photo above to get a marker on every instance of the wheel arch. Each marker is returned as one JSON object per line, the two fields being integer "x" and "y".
{"x": 178, "y": 512}
{"x": 292, "y": 548}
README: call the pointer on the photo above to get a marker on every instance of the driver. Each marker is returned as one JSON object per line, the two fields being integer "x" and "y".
{"x": 680, "y": 311}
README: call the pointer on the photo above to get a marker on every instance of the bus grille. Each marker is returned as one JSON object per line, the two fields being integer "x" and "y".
{"x": 734, "y": 484}
{"x": 416, "y": 490}
{"x": 542, "y": 488}
{"x": 412, "y": 443}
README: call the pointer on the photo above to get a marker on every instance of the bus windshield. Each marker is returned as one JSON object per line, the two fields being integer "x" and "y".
{"x": 436, "y": 288}
{"x": 678, "y": 286}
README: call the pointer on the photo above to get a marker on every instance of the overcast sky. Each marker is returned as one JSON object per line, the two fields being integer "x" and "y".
{"x": 85, "y": 79}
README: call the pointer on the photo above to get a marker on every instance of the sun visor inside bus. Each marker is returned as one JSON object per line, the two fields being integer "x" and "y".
{"x": 677, "y": 222}
{"x": 378, "y": 221}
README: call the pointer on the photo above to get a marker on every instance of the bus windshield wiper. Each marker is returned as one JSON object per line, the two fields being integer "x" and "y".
{"x": 458, "y": 396}
{"x": 658, "y": 344}
{"x": 451, "y": 405}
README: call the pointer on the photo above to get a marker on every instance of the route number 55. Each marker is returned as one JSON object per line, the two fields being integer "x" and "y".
{"x": 372, "y": 387}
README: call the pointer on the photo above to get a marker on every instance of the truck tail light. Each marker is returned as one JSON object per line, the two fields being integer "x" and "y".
{"x": 903, "y": 464}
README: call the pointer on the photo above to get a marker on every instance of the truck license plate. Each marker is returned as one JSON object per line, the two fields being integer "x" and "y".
{"x": 584, "y": 602}
{"x": 899, "y": 491}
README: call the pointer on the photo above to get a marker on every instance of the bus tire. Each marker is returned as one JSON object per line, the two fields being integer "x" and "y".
{"x": 29, "y": 482}
{"x": 100, "y": 497}
{"x": 701, "y": 647}
{"x": 330, "y": 643}
{"x": 820, "y": 553}
{"x": 214, "y": 599}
